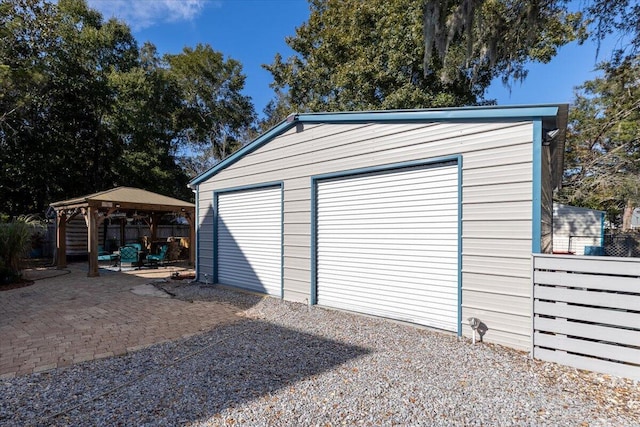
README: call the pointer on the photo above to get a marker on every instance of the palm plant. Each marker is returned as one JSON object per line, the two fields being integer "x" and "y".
{"x": 15, "y": 243}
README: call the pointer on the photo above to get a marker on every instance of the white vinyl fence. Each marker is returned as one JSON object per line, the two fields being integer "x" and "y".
{"x": 587, "y": 313}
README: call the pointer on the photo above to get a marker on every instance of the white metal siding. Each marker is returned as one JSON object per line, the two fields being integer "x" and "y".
{"x": 575, "y": 227}
{"x": 249, "y": 239}
{"x": 387, "y": 244}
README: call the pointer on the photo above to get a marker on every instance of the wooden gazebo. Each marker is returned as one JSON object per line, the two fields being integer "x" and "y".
{"x": 97, "y": 207}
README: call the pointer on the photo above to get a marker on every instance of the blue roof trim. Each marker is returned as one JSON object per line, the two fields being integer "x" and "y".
{"x": 252, "y": 146}
{"x": 469, "y": 113}
{"x": 400, "y": 116}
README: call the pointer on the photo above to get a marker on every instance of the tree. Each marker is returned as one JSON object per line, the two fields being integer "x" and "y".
{"x": 82, "y": 109}
{"x": 15, "y": 242}
{"x": 502, "y": 36}
{"x": 603, "y": 142}
{"x": 607, "y": 17}
{"x": 355, "y": 55}
{"x": 143, "y": 118}
{"x": 57, "y": 60}
{"x": 215, "y": 115}
{"x": 492, "y": 38}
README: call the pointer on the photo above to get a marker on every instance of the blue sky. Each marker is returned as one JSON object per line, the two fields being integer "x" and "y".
{"x": 253, "y": 31}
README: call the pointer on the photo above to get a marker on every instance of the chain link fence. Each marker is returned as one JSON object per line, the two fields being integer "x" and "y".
{"x": 622, "y": 245}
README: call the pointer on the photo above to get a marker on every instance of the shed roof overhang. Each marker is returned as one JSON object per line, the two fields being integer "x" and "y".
{"x": 553, "y": 116}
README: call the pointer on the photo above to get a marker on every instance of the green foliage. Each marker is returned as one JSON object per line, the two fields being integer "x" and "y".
{"x": 620, "y": 17}
{"x": 15, "y": 243}
{"x": 491, "y": 38}
{"x": 602, "y": 161}
{"x": 82, "y": 109}
{"x": 355, "y": 55}
{"x": 215, "y": 115}
{"x": 495, "y": 38}
{"x": 144, "y": 116}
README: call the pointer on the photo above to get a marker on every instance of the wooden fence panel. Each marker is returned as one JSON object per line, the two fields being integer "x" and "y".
{"x": 77, "y": 235}
{"x": 586, "y": 313}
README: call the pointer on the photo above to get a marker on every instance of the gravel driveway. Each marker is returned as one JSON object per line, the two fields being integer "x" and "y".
{"x": 288, "y": 365}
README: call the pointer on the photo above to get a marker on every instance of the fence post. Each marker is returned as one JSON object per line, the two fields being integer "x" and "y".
{"x": 533, "y": 301}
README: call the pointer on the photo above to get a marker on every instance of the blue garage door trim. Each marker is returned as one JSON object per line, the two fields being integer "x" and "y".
{"x": 457, "y": 159}
{"x": 248, "y": 236}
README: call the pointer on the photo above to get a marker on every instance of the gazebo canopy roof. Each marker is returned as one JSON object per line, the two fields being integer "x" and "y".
{"x": 126, "y": 198}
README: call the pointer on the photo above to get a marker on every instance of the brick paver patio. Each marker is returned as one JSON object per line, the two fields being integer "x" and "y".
{"x": 73, "y": 318}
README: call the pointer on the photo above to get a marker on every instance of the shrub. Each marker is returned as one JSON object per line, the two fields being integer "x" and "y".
{"x": 15, "y": 243}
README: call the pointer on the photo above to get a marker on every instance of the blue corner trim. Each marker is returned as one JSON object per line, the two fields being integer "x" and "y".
{"x": 536, "y": 227}
{"x": 459, "y": 246}
{"x": 217, "y": 193}
{"x": 484, "y": 113}
{"x": 214, "y": 276}
{"x": 281, "y": 240}
{"x": 313, "y": 296}
{"x": 196, "y": 229}
{"x": 382, "y": 168}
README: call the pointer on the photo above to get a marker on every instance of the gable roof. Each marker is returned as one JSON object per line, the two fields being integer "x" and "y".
{"x": 554, "y": 116}
{"x": 125, "y": 195}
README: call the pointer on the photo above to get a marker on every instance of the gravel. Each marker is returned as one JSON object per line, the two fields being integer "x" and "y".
{"x": 286, "y": 364}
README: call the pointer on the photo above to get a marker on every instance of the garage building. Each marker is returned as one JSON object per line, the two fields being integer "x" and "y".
{"x": 425, "y": 216}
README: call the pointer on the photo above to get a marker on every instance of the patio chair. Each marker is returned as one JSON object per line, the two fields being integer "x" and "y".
{"x": 129, "y": 254}
{"x": 104, "y": 256}
{"x": 155, "y": 260}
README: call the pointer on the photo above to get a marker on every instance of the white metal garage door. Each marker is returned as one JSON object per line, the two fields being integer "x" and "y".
{"x": 249, "y": 242}
{"x": 387, "y": 245}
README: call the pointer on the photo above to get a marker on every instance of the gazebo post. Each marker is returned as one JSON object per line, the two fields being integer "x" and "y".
{"x": 92, "y": 240}
{"x": 61, "y": 239}
{"x": 153, "y": 226}
{"x": 192, "y": 234}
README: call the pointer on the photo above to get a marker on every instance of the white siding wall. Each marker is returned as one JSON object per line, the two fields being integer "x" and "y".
{"x": 496, "y": 209}
{"x": 575, "y": 227}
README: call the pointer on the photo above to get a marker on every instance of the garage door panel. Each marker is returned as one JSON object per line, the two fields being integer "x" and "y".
{"x": 387, "y": 244}
{"x": 415, "y": 194}
{"x": 364, "y": 252}
{"x": 412, "y": 205}
{"x": 400, "y": 305}
{"x": 435, "y": 303}
{"x": 249, "y": 239}
{"x": 372, "y": 233}
{"x": 397, "y": 214}
{"x": 404, "y": 285}
{"x": 370, "y": 266}
{"x": 440, "y": 320}
{"x": 413, "y": 242}
{"x": 388, "y": 180}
